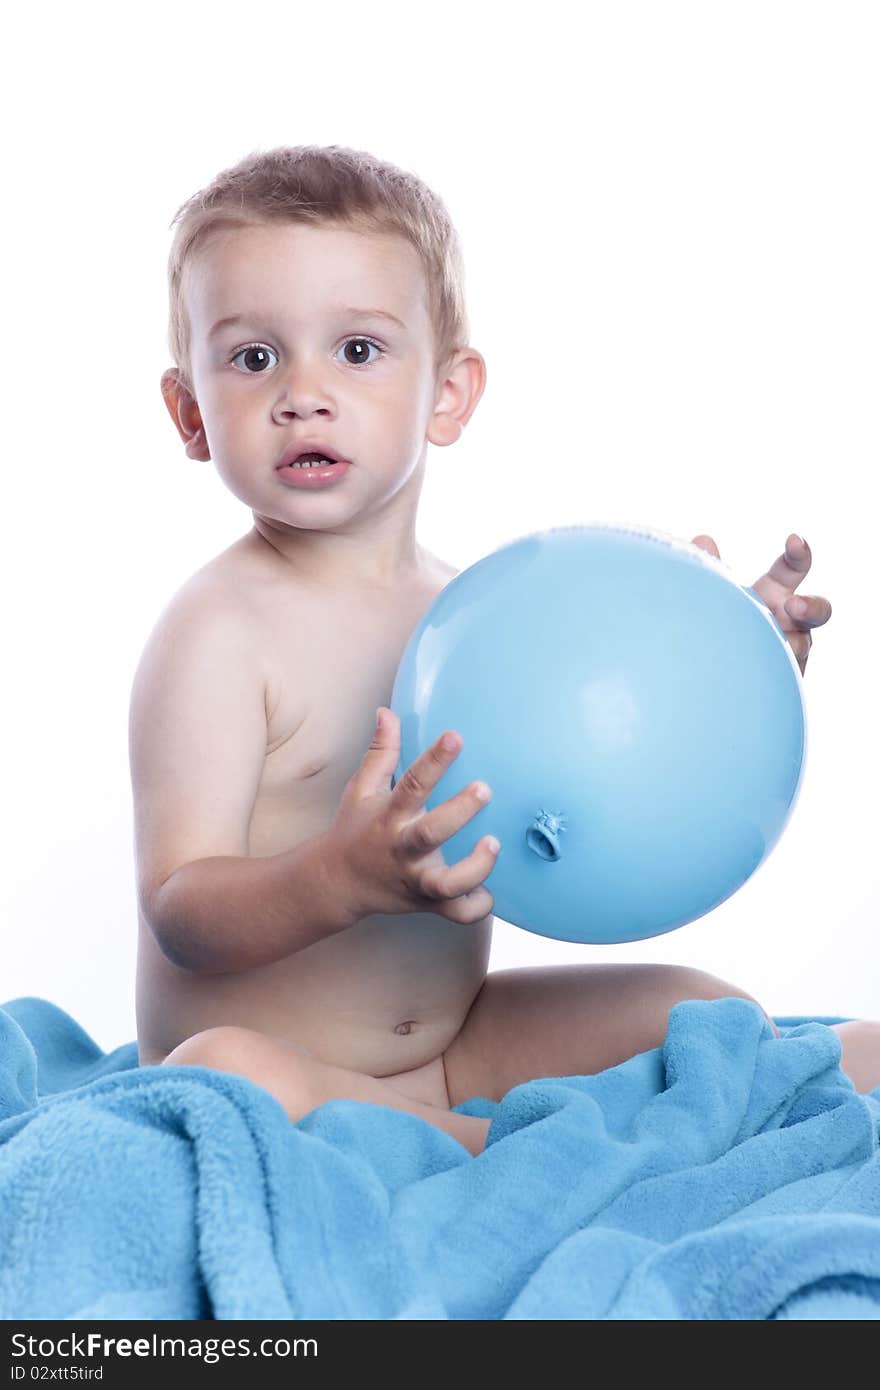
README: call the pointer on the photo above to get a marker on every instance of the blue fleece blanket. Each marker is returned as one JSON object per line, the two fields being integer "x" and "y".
{"x": 727, "y": 1175}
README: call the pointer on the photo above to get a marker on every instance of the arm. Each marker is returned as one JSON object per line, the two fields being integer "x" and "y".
{"x": 228, "y": 913}
{"x": 197, "y": 743}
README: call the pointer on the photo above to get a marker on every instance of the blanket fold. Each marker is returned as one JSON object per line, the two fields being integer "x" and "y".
{"x": 729, "y": 1174}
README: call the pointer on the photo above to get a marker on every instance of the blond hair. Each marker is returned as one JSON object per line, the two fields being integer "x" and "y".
{"x": 324, "y": 185}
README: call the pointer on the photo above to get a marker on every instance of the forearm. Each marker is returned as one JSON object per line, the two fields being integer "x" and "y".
{"x": 227, "y": 914}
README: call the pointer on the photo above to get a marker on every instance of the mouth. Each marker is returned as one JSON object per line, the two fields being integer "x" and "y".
{"x": 303, "y": 457}
{"x": 311, "y": 466}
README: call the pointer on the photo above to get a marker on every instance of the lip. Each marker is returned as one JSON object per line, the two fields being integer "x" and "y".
{"x": 310, "y": 479}
{"x": 309, "y": 446}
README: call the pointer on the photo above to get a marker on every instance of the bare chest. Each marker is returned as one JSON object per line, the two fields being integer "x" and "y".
{"x": 328, "y": 667}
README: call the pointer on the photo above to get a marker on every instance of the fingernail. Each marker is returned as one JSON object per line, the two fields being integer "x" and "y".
{"x": 378, "y": 719}
{"x": 493, "y": 844}
{"x": 481, "y": 791}
{"x": 448, "y": 741}
{"x": 798, "y": 606}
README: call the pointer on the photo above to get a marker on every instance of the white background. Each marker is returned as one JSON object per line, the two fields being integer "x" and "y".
{"x": 671, "y": 222}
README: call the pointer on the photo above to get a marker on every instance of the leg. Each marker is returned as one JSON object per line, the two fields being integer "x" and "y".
{"x": 564, "y": 1020}
{"x": 301, "y": 1082}
{"x": 860, "y": 1060}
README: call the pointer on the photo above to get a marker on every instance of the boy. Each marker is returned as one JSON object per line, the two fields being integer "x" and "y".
{"x": 298, "y": 922}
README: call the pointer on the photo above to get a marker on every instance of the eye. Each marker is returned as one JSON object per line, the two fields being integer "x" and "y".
{"x": 256, "y": 355}
{"x": 256, "y": 351}
{"x": 361, "y": 361}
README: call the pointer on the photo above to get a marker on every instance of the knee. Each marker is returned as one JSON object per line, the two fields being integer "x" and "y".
{"x": 278, "y": 1066}
{"x": 686, "y": 982}
{"x": 213, "y": 1047}
{"x": 242, "y": 1051}
{"x": 861, "y": 1032}
{"x": 699, "y": 984}
{"x": 860, "y": 1052}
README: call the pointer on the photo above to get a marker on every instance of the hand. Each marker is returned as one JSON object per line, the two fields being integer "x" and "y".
{"x": 795, "y": 615}
{"x": 388, "y": 844}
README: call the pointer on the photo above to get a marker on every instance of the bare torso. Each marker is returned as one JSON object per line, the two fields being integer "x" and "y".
{"x": 388, "y": 995}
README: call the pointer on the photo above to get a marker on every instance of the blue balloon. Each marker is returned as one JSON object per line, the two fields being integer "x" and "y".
{"x": 636, "y": 712}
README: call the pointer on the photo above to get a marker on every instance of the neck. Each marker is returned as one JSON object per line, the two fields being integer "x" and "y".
{"x": 327, "y": 559}
{"x": 376, "y": 551}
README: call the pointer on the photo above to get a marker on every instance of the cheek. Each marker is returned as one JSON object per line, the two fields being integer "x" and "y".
{"x": 233, "y": 422}
{"x": 241, "y": 481}
{"x": 409, "y": 404}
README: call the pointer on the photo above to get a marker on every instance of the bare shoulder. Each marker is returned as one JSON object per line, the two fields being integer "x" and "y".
{"x": 223, "y": 598}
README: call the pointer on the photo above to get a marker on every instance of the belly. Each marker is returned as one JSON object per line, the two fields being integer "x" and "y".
{"x": 384, "y": 997}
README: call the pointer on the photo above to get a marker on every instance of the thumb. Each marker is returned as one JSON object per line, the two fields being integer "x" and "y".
{"x": 379, "y": 763}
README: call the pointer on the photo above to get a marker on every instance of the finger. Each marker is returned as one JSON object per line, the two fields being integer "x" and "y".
{"x": 806, "y": 612}
{"x": 707, "y": 543}
{"x": 450, "y": 881}
{"x": 382, "y": 757}
{"x": 468, "y": 908}
{"x": 431, "y": 830}
{"x": 794, "y": 562}
{"x": 422, "y": 776}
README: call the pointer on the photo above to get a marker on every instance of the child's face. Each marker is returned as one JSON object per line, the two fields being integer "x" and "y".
{"x": 297, "y": 289}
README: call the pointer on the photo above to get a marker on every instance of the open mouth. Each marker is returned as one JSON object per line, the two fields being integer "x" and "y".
{"x": 312, "y": 469}
{"x": 310, "y": 461}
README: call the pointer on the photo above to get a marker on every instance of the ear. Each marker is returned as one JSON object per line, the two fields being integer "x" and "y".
{"x": 184, "y": 411}
{"x": 460, "y": 386}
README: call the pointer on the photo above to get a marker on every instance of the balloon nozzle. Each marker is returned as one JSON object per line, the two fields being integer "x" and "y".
{"x": 542, "y": 836}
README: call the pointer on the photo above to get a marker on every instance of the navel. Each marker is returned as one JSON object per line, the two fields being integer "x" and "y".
{"x": 405, "y": 1027}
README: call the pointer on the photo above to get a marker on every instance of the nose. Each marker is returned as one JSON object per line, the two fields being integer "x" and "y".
{"x": 302, "y": 392}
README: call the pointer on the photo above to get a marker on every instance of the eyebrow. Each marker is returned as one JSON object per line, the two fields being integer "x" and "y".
{"x": 348, "y": 312}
